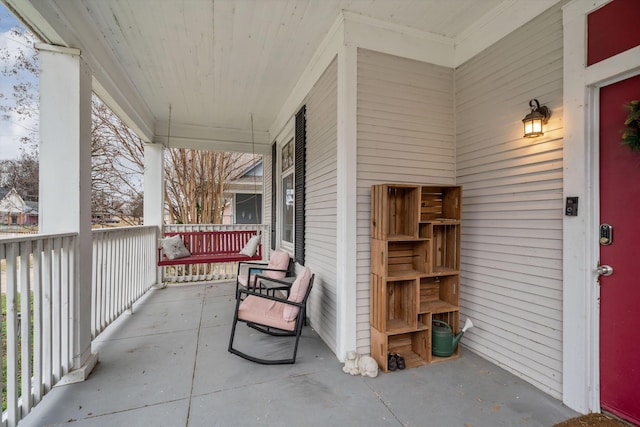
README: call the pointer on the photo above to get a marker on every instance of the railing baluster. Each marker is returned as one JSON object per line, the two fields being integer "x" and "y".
{"x": 47, "y": 376}
{"x": 25, "y": 320}
{"x": 56, "y": 310}
{"x": 70, "y": 244}
{"x": 65, "y": 284}
{"x": 110, "y": 278}
{"x": 12, "y": 339}
{"x": 95, "y": 291}
{"x": 37, "y": 322}
{"x": 102, "y": 310}
{"x": 2, "y": 351}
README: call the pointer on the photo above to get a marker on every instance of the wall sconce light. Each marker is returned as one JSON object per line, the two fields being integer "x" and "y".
{"x": 535, "y": 119}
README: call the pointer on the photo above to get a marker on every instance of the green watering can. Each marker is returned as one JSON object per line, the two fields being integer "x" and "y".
{"x": 443, "y": 343}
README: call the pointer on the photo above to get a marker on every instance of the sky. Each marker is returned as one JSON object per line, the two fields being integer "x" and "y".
{"x": 11, "y": 129}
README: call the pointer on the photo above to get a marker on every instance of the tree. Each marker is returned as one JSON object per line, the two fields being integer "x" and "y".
{"x": 21, "y": 174}
{"x": 19, "y": 87}
{"x": 117, "y": 164}
{"x": 196, "y": 182}
{"x": 137, "y": 208}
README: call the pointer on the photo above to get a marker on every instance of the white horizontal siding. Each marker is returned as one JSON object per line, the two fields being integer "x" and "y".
{"x": 321, "y": 203}
{"x": 511, "y": 278}
{"x": 405, "y": 134}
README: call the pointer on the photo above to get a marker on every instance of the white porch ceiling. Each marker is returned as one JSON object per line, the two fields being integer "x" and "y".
{"x": 216, "y": 62}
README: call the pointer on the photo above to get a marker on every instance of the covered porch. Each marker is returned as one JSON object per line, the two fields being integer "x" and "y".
{"x": 166, "y": 364}
{"x": 424, "y": 92}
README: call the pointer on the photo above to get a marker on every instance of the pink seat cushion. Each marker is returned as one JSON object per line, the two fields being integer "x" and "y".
{"x": 280, "y": 261}
{"x": 297, "y": 293}
{"x": 244, "y": 273}
{"x": 242, "y": 279}
{"x": 265, "y": 312}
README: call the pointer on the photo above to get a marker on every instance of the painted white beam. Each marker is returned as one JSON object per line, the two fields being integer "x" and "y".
{"x": 154, "y": 185}
{"x": 73, "y": 28}
{"x": 500, "y": 21}
{"x": 614, "y": 69}
{"x": 65, "y": 177}
{"x": 384, "y": 37}
{"x": 346, "y": 211}
{"x": 209, "y": 138}
{"x": 154, "y": 192}
{"x": 36, "y": 23}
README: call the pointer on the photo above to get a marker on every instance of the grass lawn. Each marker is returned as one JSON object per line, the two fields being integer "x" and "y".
{"x": 4, "y": 345}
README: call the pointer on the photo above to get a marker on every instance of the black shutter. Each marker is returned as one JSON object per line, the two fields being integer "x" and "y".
{"x": 274, "y": 199}
{"x": 300, "y": 146}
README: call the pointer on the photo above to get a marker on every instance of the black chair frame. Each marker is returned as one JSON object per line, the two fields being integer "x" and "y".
{"x": 270, "y": 330}
{"x": 259, "y": 267}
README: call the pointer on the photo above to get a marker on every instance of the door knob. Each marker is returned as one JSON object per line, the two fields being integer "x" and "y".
{"x": 604, "y": 270}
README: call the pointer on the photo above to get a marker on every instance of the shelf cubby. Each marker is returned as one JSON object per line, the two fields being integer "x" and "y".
{"x": 438, "y": 294}
{"x": 394, "y": 211}
{"x": 446, "y": 248}
{"x": 394, "y": 303}
{"x": 425, "y": 230}
{"x": 440, "y": 202}
{"x": 397, "y": 259}
{"x": 415, "y": 347}
{"x": 407, "y": 258}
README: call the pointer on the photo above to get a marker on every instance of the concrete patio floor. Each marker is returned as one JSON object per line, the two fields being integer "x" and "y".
{"x": 167, "y": 365}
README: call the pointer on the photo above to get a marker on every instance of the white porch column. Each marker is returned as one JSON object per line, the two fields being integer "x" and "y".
{"x": 154, "y": 189}
{"x": 347, "y": 196}
{"x": 153, "y": 184}
{"x": 65, "y": 178}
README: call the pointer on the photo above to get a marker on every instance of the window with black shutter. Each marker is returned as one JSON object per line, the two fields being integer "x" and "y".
{"x": 301, "y": 142}
{"x": 288, "y": 189}
{"x": 274, "y": 193}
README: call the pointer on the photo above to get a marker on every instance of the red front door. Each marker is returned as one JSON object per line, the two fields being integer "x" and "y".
{"x": 620, "y": 292}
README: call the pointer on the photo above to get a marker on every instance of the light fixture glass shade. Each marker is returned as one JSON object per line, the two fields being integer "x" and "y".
{"x": 533, "y": 125}
{"x": 535, "y": 119}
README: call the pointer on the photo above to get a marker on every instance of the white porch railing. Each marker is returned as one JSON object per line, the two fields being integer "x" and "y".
{"x": 124, "y": 268}
{"x": 37, "y": 274}
{"x": 213, "y": 271}
{"x": 37, "y": 270}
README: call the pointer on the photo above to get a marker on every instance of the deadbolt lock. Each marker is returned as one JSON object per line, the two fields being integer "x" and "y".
{"x": 606, "y": 234}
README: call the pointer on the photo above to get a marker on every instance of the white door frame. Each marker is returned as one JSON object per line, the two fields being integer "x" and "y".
{"x": 581, "y": 322}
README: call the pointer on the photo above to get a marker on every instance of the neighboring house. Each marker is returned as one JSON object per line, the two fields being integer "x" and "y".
{"x": 350, "y": 94}
{"x": 244, "y": 197}
{"x": 15, "y": 211}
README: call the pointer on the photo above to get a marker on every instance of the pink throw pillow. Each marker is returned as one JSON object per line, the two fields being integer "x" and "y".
{"x": 280, "y": 261}
{"x": 297, "y": 293}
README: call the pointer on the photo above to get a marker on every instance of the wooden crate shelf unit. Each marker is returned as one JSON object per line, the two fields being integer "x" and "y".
{"x": 415, "y": 263}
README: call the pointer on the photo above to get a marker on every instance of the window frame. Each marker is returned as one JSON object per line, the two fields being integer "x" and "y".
{"x": 284, "y": 139}
{"x": 287, "y": 170}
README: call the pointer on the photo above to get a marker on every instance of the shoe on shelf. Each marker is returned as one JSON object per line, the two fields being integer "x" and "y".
{"x": 392, "y": 361}
{"x": 400, "y": 362}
